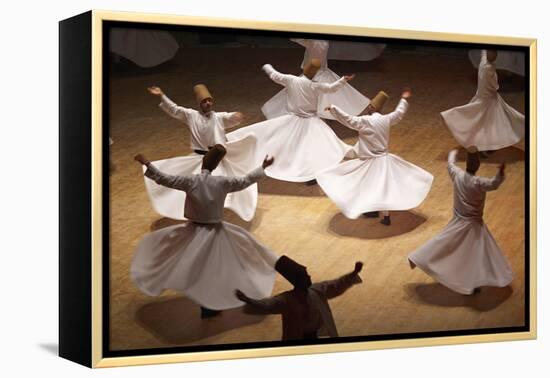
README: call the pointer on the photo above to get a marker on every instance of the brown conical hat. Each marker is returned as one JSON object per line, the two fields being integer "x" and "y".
{"x": 213, "y": 156}
{"x": 379, "y": 100}
{"x": 291, "y": 270}
{"x": 311, "y": 68}
{"x": 472, "y": 158}
{"x": 492, "y": 55}
{"x": 201, "y": 92}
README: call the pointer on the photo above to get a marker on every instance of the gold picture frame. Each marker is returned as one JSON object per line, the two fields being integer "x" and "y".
{"x": 90, "y": 265}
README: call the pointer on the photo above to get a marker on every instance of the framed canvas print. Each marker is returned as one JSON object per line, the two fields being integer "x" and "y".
{"x": 235, "y": 189}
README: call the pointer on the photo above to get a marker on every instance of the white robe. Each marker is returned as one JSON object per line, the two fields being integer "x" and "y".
{"x": 361, "y": 51}
{"x": 206, "y": 131}
{"x": 464, "y": 255}
{"x": 301, "y": 142}
{"x": 146, "y": 48}
{"x": 487, "y": 121}
{"x": 348, "y": 98}
{"x": 513, "y": 61}
{"x": 377, "y": 180}
{"x": 206, "y": 259}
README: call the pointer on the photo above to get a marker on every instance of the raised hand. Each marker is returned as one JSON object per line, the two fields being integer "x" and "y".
{"x": 267, "y": 161}
{"x": 407, "y": 93}
{"x": 241, "y": 296}
{"x": 501, "y": 169}
{"x": 141, "y": 159}
{"x": 155, "y": 91}
{"x": 349, "y": 77}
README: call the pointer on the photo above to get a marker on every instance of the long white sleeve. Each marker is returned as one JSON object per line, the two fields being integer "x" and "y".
{"x": 331, "y": 87}
{"x": 230, "y": 119}
{"x": 353, "y": 122}
{"x": 451, "y": 164}
{"x": 169, "y": 181}
{"x": 234, "y": 184}
{"x": 173, "y": 110}
{"x": 488, "y": 184}
{"x": 276, "y": 76}
{"x": 483, "y": 59}
{"x": 397, "y": 115}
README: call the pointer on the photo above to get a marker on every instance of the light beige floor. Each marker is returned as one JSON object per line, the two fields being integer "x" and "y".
{"x": 299, "y": 220}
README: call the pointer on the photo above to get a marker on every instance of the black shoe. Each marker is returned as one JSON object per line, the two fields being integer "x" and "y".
{"x": 311, "y": 182}
{"x": 386, "y": 220}
{"x": 371, "y": 214}
{"x": 208, "y": 313}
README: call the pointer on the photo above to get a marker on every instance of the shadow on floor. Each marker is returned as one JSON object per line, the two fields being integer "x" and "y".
{"x": 510, "y": 82}
{"x": 231, "y": 217}
{"x": 164, "y": 222}
{"x": 50, "y": 348}
{"x": 436, "y": 294}
{"x": 283, "y": 188}
{"x": 178, "y": 321}
{"x": 506, "y": 155}
{"x": 371, "y": 228}
{"x": 228, "y": 216}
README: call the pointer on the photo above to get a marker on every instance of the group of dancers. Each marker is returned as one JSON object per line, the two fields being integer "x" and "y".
{"x": 220, "y": 265}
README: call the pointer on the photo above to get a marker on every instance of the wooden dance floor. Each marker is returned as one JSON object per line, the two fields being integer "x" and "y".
{"x": 299, "y": 220}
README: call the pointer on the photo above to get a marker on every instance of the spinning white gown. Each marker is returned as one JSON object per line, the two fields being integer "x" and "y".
{"x": 344, "y": 50}
{"x": 206, "y": 258}
{"x": 487, "y": 121}
{"x": 205, "y": 131}
{"x": 465, "y": 256}
{"x": 512, "y": 61}
{"x": 301, "y": 141}
{"x": 146, "y": 48}
{"x": 348, "y": 98}
{"x": 377, "y": 180}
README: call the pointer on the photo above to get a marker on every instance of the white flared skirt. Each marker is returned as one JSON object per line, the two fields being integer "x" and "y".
{"x": 513, "y": 61}
{"x": 464, "y": 256}
{"x": 382, "y": 183}
{"x": 488, "y": 123}
{"x": 146, "y": 48}
{"x": 345, "y": 50}
{"x": 205, "y": 262}
{"x": 237, "y": 162}
{"x": 348, "y": 99}
{"x": 302, "y": 147}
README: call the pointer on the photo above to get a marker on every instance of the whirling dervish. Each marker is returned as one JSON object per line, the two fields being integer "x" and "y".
{"x": 464, "y": 256}
{"x": 487, "y": 121}
{"x": 207, "y": 128}
{"x": 303, "y": 143}
{"x": 348, "y": 98}
{"x": 205, "y": 258}
{"x": 377, "y": 180}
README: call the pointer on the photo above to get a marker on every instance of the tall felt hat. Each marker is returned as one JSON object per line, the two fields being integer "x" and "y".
{"x": 379, "y": 100}
{"x": 291, "y": 270}
{"x": 472, "y": 158}
{"x": 201, "y": 92}
{"x": 311, "y": 68}
{"x": 492, "y": 55}
{"x": 214, "y": 156}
